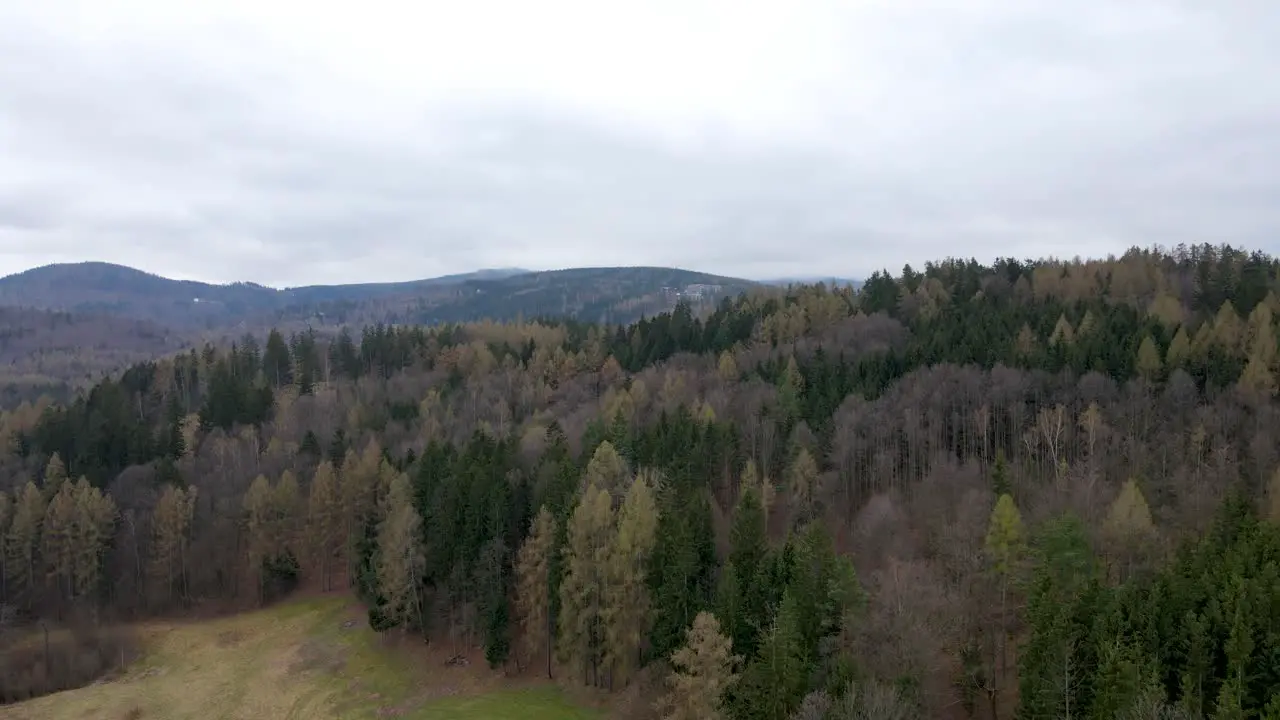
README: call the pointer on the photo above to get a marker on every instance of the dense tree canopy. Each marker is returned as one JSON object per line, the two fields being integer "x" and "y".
{"x": 1028, "y": 489}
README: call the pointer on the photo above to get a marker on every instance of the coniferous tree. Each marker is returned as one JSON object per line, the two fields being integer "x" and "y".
{"x": 95, "y": 515}
{"x": 585, "y": 585}
{"x": 400, "y": 555}
{"x": 1006, "y": 547}
{"x": 702, "y": 671}
{"x": 170, "y": 528}
{"x": 24, "y": 542}
{"x": 1055, "y": 663}
{"x": 627, "y": 605}
{"x": 324, "y": 521}
{"x": 774, "y": 683}
{"x": 533, "y": 587}
{"x": 6, "y": 517}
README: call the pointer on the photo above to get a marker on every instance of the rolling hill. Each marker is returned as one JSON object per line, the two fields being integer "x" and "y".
{"x": 45, "y": 352}
{"x": 64, "y": 325}
{"x": 615, "y": 294}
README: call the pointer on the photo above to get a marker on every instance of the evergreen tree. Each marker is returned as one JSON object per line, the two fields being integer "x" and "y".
{"x": 774, "y": 683}
{"x": 1055, "y": 664}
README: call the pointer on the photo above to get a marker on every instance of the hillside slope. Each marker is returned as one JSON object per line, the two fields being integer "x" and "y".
{"x": 45, "y": 352}
{"x": 314, "y": 659}
{"x": 617, "y": 294}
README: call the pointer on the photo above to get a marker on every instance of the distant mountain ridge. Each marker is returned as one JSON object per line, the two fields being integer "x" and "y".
{"x": 617, "y": 294}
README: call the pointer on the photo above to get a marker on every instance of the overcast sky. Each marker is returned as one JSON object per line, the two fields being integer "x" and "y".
{"x": 295, "y": 142}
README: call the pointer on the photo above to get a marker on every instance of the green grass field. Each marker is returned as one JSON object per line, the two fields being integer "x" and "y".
{"x": 306, "y": 659}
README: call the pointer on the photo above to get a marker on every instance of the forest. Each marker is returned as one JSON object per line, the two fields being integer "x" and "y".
{"x": 1030, "y": 489}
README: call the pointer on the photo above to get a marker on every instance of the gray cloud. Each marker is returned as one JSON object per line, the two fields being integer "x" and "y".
{"x": 859, "y": 137}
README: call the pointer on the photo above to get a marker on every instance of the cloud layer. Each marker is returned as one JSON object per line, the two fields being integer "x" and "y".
{"x": 288, "y": 143}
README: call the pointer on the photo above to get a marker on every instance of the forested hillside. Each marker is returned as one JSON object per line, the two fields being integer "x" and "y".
{"x": 1028, "y": 489}
{"x": 53, "y": 353}
{"x": 609, "y": 294}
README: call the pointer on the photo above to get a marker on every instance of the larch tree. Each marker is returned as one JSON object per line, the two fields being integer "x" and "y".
{"x": 802, "y": 478}
{"x": 170, "y": 538}
{"x": 401, "y": 558}
{"x": 1006, "y": 546}
{"x": 727, "y": 368}
{"x": 1179, "y": 351}
{"x": 533, "y": 587}
{"x": 24, "y": 542}
{"x": 1273, "y": 497}
{"x": 6, "y": 516}
{"x": 57, "y": 548}
{"x": 258, "y": 511}
{"x": 324, "y": 522}
{"x": 585, "y": 584}
{"x": 287, "y": 514}
{"x": 627, "y": 602}
{"x": 608, "y": 471}
{"x": 1128, "y": 527}
{"x": 702, "y": 670}
{"x": 758, "y": 484}
{"x": 94, "y": 527}
{"x": 1148, "y": 362}
{"x": 55, "y": 474}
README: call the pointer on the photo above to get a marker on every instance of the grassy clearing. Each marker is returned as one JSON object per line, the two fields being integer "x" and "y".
{"x": 311, "y": 659}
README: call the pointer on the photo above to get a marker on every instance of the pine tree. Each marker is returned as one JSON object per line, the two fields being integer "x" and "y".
{"x": 533, "y": 587}
{"x": 585, "y": 584}
{"x": 627, "y": 604}
{"x": 702, "y": 670}
{"x": 400, "y": 554}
